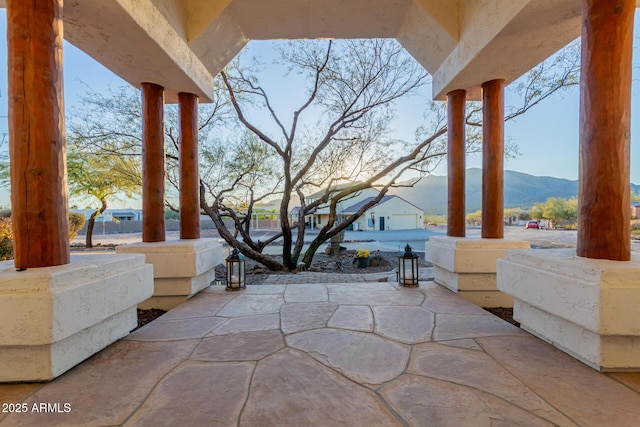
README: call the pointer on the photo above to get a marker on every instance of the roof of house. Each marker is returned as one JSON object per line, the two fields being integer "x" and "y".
{"x": 355, "y": 208}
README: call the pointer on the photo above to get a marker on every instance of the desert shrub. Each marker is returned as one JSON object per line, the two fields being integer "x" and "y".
{"x": 434, "y": 219}
{"x": 6, "y": 239}
{"x": 76, "y": 222}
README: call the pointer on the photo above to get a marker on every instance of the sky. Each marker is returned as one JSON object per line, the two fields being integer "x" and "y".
{"x": 547, "y": 135}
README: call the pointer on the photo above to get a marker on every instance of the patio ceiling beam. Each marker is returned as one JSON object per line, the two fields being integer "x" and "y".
{"x": 504, "y": 40}
{"x": 139, "y": 42}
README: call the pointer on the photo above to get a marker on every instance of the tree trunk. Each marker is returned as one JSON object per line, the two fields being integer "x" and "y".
{"x": 214, "y": 214}
{"x": 335, "y": 243}
{"x": 92, "y": 221}
{"x": 310, "y": 252}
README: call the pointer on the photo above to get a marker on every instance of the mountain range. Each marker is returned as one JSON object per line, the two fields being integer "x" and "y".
{"x": 520, "y": 190}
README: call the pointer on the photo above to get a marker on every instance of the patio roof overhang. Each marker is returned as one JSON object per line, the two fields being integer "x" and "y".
{"x": 182, "y": 44}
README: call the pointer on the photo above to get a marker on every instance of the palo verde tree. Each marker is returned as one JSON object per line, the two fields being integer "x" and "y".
{"x": 337, "y": 142}
{"x": 104, "y": 139}
{"x": 100, "y": 177}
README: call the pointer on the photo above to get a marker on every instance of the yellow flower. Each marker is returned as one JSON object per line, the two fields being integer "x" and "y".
{"x": 363, "y": 253}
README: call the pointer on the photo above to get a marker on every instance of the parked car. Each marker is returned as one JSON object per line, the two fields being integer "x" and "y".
{"x": 532, "y": 224}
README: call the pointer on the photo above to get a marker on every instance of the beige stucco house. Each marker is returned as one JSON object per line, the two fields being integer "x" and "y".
{"x": 320, "y": 215}
{"x": 391, "y": 213}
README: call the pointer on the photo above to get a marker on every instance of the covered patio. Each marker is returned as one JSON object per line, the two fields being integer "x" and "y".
{"x": 352, "y": 354}
{"x": 318, "y": 353}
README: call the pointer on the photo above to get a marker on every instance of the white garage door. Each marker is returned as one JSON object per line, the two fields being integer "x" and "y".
{"x": 404, "y": 222}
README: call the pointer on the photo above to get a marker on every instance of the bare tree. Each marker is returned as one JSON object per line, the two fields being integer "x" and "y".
{"x": 352, "y": 87}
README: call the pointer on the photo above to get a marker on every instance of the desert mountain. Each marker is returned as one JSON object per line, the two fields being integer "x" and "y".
{"x": 520, "y": 190}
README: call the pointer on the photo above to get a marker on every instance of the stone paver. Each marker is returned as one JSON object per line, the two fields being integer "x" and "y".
{"x": 442, "y": 300}
{"x": 365, "y": 358}
{"x": 405, "y": 324}
{"x": 107, "y": 388}
{"x": 239, "y": 346}
{"x": 260, "y": 322}
{"x": 250, "y": 305}
{"x": 219, "y": 397}
{"x": 438, "y": 403}
{"x": 201, "y": 305}
{"x": 376, "y": 298}
{"x": 309, "y": 394}
{"x": 630, "y": 379}
{"x": 556, "y": 377}
{"x": 306, "y": 293}
{"x": 478, "y": 370}
{"x": 296, "y": 317}
{"x": 454, "y": 326}
{"x": 329, "y": 354}
{"x": 170, "y": 330}
{"x": 353, "y": 317}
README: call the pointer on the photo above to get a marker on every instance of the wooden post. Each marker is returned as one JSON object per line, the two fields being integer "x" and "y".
{"x": 189, "y": 177}
{"x": 36, "y": 129}
{"x": 456, "y": 163}
{"x": 493, "y": 159}
{"x": 153, "y": 164}
{"x": 605, "y": 108}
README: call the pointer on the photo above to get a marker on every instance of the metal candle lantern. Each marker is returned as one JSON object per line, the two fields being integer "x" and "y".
{"x": 408, "y": 268}
{"x": 235, "y": 271}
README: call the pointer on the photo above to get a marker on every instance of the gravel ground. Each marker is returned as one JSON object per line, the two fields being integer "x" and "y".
{"x": 322, "y": 263}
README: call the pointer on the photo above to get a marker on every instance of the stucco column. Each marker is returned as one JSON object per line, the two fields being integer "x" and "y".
{"x": 456, "y": 163}
{"x": 153, "y": 163}
{"x": 493, "y": 159}
{"x": 189, "y": 178}
{"x": 36, "y": 129}
{"x": 605, "y": 108}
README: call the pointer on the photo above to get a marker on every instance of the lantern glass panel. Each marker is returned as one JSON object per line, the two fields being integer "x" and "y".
{"x": 408, "y": 268}
{"x": 235, "y": 271}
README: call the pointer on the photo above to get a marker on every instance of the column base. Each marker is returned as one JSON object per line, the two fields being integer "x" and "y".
{"x": 587, "y": 308}
{"x": 53, "y": 318}
{"x": 181, "y": 268}
{"x": 467, "y": 266}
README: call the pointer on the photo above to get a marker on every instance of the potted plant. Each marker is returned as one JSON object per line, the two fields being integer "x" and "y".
{"x": 362, "y": 258}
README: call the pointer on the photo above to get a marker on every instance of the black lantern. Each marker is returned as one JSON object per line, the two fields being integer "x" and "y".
{"x": 408, "y": 268}
{"x": 235, "y": 271}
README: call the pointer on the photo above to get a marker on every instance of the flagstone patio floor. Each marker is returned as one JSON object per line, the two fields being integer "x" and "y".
{"x": 339, "y": 354}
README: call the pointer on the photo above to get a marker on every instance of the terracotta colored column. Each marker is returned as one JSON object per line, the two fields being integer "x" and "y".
{"x": 456, "y": 163}
{"x": 605, "y": 107}
{"x": 36, "y": 129}
{"x": 153, "y": 167}
{"x": 493, "y": 159}
{"x": 189, "y": 177}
